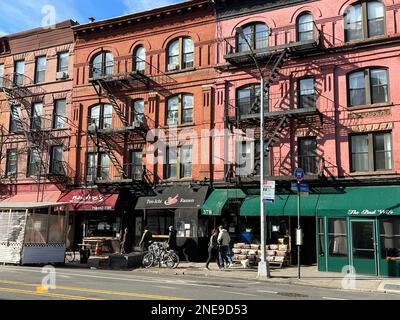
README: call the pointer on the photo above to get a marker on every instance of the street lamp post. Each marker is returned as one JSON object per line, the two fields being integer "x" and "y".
{"x": 263, "y": 266}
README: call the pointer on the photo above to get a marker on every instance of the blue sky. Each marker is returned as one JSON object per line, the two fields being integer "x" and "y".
{"x": 20, "y": 15}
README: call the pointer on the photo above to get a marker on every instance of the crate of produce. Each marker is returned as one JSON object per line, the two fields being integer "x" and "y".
{"x": 236, "y": 251}
{"x": 273, "y": 247}
{"x": 255, "y": 246}
{"x": 241, "y": 257}
{"x": 271, "y": 253}
{"x": 281, "y": 253}
{"x": 283, "y": 247}
{"x": 239, "y": 245}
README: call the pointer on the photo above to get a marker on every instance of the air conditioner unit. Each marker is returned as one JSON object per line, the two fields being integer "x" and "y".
{"x": 173, "y": 67}
{"x": 62, "y": 75}
{"x": 190, "y": 64}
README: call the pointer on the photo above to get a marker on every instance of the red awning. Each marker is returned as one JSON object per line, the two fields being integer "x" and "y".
{"x": 32, "y": 197}
{"x": 89, "y": 200}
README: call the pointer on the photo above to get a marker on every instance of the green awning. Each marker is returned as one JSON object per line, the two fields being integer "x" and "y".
{"x": 361, "y": 202}
{"x": 217, "y": 200}
{"x": 251, "y": 206}
{"x": 308, "y": 205}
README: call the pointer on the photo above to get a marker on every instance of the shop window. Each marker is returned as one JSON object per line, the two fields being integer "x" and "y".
{"x": 100, "y": 117}
{"x": 180, "y": 110}
{"x": 364, "y": 20}
{"x": 59, "y": 118}
{"x": 390, "y": 239}
{"x": 36, "y": 227}
{"x": 12, "y": 163}
{"x": 140, "y": 59}
{"x": 368, "y": 86}
{"x": 159, "y": 222}
{"x": 306, "y": 93}
{"x": 180, "y": 54}
{"x": 337, "y": 237}
{"x": 305, "y": 27}
{"x": 256, "y": 35}
{"x": 308, "y": 159}
{"x": 321, "y": 237}
{"x": 371, "y": 152}
{"x": 102, "y": 65}
{"x": 40, "y": 74}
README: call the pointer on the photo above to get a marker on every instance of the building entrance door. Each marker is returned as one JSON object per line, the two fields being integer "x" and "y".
{"x": 364, "y": 246}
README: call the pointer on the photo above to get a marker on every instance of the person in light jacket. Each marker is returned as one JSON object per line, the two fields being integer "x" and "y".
{"x": 224, "y": 241}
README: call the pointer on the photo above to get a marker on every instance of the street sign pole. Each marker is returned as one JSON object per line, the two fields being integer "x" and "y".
{"x": 298, "y": 231}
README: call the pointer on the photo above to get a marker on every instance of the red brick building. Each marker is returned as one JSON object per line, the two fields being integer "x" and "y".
{"x": 137, "y": 77}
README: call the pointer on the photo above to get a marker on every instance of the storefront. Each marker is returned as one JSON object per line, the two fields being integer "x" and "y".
{"x": 360, "y": 226}
{"x": 177, "y": 206}
{"x": 223, "y": 206}
{"x": 354, "y": 226}
{"x": 93, "y": 214}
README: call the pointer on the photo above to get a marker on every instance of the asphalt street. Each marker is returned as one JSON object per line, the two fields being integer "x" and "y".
{"x": 24, "y": 283}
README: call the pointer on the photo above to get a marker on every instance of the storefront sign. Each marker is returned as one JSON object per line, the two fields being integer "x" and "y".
{"x": 373, "y": 213}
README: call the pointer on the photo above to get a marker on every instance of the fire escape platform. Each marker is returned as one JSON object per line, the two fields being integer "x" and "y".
{"x": 122, "y": 78}
{"x": 292, "y": 113}
{"x": 245, "y": 58}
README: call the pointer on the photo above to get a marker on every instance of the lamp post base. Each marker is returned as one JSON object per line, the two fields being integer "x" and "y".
{"x": 263, "y": 270}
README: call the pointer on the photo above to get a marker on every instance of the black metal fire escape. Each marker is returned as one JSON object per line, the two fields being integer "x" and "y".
{"x": 21, "y": 91}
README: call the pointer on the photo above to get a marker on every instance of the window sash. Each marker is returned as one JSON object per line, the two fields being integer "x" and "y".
{"x": 37, "y": 112}
{"x": 34, "y": 163}
{"x": 12, "y": 162}
{"x": 40, "y": 69}
{"x": 57, "y": 160}
{"x": 19, "y": 72}
{"x": 59, "y": 114}
{"x": 63, "y": 61}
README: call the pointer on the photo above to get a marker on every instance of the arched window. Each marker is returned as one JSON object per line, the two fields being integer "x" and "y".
{"x": 256, "y": 35}
{"x": 248, "y": 100}
{"x": 368, "y": 86}
{"x": 100, "y": 117}
{"x": 180, "y": 109}
{"x": 140, "y": 59}
{"x": 364, "y": 20}
{"x": 180, "y": 54}
{"x": 102, "y": 65}
{"x": 305, "y": 27}
{"x": 138, "y": 113}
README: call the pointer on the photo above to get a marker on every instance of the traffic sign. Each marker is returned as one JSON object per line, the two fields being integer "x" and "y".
{"x": 304, "y": 189}
{"x": 299, "y": 174}
{"x": 269, "y": 192}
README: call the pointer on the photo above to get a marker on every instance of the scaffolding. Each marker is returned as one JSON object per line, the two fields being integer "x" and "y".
{"x": 32, "y": 131}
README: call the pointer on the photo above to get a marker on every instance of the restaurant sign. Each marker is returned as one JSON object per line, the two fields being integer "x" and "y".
{"x": 372, "y": 213}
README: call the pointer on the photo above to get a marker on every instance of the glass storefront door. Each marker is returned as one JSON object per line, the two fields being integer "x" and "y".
{"x": 364, "y": 246}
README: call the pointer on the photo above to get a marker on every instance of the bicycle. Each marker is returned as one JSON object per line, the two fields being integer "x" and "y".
{"x": 160, "y": 254}
{"x": 70, "y": 255}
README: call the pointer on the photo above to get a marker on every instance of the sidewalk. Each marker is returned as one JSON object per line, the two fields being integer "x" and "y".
{"x": 309, "y": 277}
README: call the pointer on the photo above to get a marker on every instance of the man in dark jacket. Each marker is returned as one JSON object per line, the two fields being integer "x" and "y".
{"x": 147, "y": 238}
{"x": 172, "y": 239}
{"x": 126, "y": 244}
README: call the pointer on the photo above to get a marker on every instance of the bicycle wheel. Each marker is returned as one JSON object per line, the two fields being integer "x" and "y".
{"x": 175, "y": 259}
{"x": 169, "y": 261}
{"x": 69, "y": 255}
{"x": 148, "y": 260}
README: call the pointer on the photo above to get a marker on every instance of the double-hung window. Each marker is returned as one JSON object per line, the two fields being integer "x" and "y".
{"x": 180, "y": 54}
{"x": 59, "y": 118}
{"x": 40, "y": 75}
{"x": 180, "y": 110}
{"x": 371, "y": 152}
{"x": 12, "y": 163}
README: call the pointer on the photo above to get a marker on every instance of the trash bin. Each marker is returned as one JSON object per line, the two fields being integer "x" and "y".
{"x": 84, "y": 254}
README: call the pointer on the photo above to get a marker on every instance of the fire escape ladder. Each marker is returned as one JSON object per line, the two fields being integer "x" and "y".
{"x": 280, "y": 126}
{"x": 275, "y": 69}
{"x": 111, "y": 97}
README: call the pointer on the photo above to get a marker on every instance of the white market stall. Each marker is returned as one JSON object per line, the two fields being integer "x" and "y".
{"x": 33, "y": 233}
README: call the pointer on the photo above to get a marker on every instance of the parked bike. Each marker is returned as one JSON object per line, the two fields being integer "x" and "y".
{"x": 159, "y": 254}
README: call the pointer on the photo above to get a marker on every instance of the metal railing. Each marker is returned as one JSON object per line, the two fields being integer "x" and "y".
{"x": 114, "y": 123}
{"x": 272, "y": 39}
{"x": 109, "y": 174}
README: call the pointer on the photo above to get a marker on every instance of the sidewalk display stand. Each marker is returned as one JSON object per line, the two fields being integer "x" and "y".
{"x": 33, "y": 233}
{"x": 276, "y": 254}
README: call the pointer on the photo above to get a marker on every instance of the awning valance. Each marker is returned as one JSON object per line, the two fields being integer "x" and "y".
{"x": 217, "y": 200}
{"x": 174, "y": 197}
{"x": 251, "y": 206}
{"x": 360, "y": 202}
{"x": 32, "y": 197}
{"x": 89, "y": 200}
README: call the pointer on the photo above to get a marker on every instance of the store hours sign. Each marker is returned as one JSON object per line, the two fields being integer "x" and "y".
{"x": 372, "y": 213}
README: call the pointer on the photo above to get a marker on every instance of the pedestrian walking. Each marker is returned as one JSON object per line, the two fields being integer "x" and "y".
{"x": 147, "y": 239}
{"x": 126, "y": 244}
{"x": 172, "y": 244}
{"x": 213, "y": 252}
{"x": 224, "y": 241}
